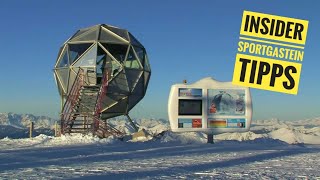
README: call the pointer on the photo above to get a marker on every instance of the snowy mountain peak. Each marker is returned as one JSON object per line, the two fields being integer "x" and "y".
{"x": 23, "y": 120}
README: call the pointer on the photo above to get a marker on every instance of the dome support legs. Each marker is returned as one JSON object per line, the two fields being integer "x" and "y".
{"x": 132, "y": 123}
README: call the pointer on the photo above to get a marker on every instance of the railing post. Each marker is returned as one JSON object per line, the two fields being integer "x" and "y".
{"x": 62, "y": 126}
{"x": 31, "y": 129}
{"x": 70, "y": 102}
{"x": 56, "y": 129}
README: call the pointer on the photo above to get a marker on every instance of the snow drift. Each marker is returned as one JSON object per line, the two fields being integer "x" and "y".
{"x": 273, "y": 130}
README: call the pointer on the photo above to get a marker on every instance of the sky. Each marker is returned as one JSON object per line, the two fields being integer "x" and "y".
{"x": 184, "y": 40}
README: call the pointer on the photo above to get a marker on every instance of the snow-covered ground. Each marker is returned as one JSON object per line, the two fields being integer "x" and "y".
{"x": 270, "y": 151}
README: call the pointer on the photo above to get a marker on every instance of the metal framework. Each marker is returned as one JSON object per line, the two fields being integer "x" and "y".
{"x": 101, "y": 72}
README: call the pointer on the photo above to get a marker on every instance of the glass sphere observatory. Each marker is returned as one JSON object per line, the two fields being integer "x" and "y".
{"x": 99, "y": 49}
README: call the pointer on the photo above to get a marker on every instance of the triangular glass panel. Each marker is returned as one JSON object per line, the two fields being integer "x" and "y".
{"x": 59, "y": 54}
{"x": 134, "y": 41}
{"x": 106, "y": 64}
{"x": 90, "y": 35}
{"x": 107, "y": 102}
{"x": 146, "y": 63}
{"x": 100, "y": 63}
{"x": 146, "y": 80}
{"x": 110, "y": 99}
{"x": 138, "y": 88}
{"x": 75, "y": 70}
{"x": 133, "y": 100}
{"x": 101, "y": 59}
{"x": 116, "y": 97}
{"x": 120, "y": 32}
{"x": 81, "y": 31}
{"x": 140, "y": 53}
{"x": 63, "y": 75}
{"x": 120, "y": 107}
{"x": 61, "y": 92}
{"x": 118, "y": 51}
{"x": 137, "y": 93}
{"x": 63, "y": 62}
{"x": 118, "y": 84}
{"x": 133, "y": 76}
{"x": 109, "y": 115}
{"x": 115, "y": 68}
{"x": 101, "y": 54}
{"x": 76, "y": 50}
{"x": 132, "y": 61}
{"x": 58, "y": 84}
{"x": 109, "y": 37}
{"x": 72, "y": 77}
{"x": 88, "y": 59}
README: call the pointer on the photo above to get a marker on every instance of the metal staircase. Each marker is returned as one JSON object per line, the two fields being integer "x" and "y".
{"x": 82, "y": 109}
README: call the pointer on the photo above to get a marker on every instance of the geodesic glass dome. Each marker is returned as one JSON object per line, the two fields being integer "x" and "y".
{"x": 103, "y": 48}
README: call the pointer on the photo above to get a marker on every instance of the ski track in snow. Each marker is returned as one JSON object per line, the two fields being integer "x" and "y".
{"x": 113, "y": 159}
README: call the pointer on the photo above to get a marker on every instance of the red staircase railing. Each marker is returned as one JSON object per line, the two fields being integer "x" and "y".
{"x": 71, "y": 101}
{"x": 104, "y": 129}
{"x": 102, "y": 93}
{"x": 100, "y": 125}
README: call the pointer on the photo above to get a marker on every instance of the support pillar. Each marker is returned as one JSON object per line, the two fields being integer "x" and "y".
{"x": 210, "y": 138}
{"x": 132, "y": 123}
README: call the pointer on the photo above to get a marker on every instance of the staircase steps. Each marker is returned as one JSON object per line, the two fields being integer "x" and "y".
{"x": 81, "y": 116}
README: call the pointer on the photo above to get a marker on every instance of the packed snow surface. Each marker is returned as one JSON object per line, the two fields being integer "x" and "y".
{"x": 270, "y": 151}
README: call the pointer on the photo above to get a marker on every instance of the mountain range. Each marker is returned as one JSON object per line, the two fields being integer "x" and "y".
{"x": 23, "y": 120}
